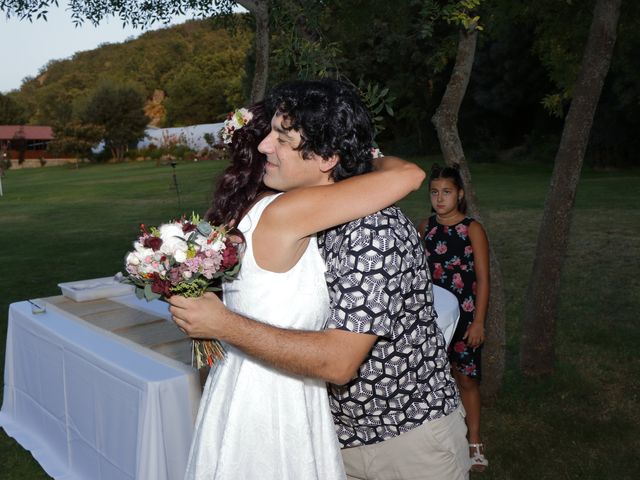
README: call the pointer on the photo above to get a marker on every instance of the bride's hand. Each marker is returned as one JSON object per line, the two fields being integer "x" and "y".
{"x": 201, "y": 317}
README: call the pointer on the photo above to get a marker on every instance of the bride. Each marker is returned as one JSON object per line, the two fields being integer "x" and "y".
{"x": 254, "y": 421}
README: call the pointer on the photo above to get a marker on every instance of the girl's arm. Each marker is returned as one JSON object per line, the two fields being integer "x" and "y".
{"x": 304, "y": 211}
{"x": 474, "y": 335}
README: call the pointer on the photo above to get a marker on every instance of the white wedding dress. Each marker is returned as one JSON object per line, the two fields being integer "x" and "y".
{"x": 256, "y": 422}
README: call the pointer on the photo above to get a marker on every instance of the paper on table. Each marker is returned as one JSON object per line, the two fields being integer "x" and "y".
{"x": 85, "y": 290}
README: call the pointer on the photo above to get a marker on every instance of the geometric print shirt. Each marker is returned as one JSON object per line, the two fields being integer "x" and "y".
{"x": 379, "y": 284}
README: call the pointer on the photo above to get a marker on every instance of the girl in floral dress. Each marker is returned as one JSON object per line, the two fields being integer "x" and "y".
{"x": 458, "y": 254}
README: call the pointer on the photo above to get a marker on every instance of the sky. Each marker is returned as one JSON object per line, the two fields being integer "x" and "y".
{"x": 27, "y": 47}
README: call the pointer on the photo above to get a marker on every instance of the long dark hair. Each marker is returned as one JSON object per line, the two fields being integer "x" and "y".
{"x": 241, "y": 181}
{"x": 453, "y": 174}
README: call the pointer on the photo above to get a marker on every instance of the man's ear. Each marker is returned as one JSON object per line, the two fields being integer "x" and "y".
{"x": 329, "y": 164}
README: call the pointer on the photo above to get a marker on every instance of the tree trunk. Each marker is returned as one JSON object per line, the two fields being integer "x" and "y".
{"x": 446, "y": 123}
{"x": 541, "y": 304}
{"x": 260, "y": 11}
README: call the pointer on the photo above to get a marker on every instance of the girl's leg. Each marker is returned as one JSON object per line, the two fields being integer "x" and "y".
{"x": 470, "y": 394}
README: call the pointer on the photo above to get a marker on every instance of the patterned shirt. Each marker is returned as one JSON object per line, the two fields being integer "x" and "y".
{"x": 379, "y": 284}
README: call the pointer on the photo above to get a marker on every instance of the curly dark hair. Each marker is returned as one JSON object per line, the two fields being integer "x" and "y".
{"x": 331, "y": 119}
{"x": 241, "y": 181}
{"x": 453, "y": 174}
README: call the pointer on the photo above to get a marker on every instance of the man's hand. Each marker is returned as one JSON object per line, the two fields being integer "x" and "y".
{"x": 202, "y": 317}
{"x": 332, "y": 355}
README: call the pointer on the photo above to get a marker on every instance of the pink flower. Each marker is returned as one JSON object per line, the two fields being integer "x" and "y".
{"x": 462, "y": 230}
{"x": 432, "y": 232}
{"x": 467, "y": 305}
{"x": 454, "y": 262}
{"x": 474, "y": 288}
{"x": 468, "y": 250}
{"x": 441, "y": 248}
{"x": 457, "y": 282}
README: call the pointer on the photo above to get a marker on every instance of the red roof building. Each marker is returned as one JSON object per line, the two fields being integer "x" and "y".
{"x": 25, "y": 141}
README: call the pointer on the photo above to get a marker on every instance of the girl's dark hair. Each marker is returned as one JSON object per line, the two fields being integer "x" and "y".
{"x": 453, "y": 174}
{"x": 241, "y": 181}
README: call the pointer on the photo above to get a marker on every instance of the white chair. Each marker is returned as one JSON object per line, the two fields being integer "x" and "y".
{"x": 448, "y": 310}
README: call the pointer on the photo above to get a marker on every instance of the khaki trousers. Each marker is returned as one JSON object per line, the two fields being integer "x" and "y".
{"x": 436, "y": 450}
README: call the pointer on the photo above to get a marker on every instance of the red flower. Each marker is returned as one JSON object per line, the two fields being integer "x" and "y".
{"x": 229, "y": 256}
{"x": 459, "y": 347}
{"x": 153, "y": 242}
{"x": 437, "y": 271}
{"x": 160, "y": 286}
{"x": 188, "y": 227}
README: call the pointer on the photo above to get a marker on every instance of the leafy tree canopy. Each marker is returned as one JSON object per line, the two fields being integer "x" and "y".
{"x": 138, "y": 13}
{"x": 525, "y": 66}
{"x": 119, "y": 111}
{"x": 11, "y": 112}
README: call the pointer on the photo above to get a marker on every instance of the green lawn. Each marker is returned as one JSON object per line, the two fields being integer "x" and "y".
{"x": 61, "y": 224}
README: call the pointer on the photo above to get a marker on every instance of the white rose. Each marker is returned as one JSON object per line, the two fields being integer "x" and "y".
{"x": 172, "y": 240}
{"x": 180, "y": 255}
{"x": 141, "y": 250}
{"x": 218, "y": 246}
{"x": 187, "y": 274}
{"x": 132, "y": 259}
{"x": 201, "y": 241}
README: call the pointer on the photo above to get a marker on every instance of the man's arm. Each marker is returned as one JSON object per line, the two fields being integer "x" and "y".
{"x": 332, "y": 355}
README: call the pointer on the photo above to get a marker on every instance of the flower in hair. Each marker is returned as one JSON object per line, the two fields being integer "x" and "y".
{"x": 376, "y": 153}
{"x": 235, "y": 121}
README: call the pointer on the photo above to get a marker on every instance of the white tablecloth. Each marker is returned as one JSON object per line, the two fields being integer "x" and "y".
{"x": 448, "y": 310}
{"x": 92, "y": 406}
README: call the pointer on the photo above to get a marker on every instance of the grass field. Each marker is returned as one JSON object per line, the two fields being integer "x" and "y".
{"x": 62, "y": 224}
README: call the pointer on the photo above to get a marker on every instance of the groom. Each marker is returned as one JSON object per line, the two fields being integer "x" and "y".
{"x": 395, "y": 405}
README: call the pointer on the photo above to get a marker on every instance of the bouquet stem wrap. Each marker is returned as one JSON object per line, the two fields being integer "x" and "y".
{"x": 203, "y": 351}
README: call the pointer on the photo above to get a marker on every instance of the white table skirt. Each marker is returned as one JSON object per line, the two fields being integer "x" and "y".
{"x": 446, "y": 305}
{"x": 90, "y": 405}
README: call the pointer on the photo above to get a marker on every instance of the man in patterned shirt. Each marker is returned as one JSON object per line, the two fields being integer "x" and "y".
{"x": 402, "y": 412}
{"x": 395, "y": 405}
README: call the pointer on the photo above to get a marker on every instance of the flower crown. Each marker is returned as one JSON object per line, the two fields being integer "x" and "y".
{"x": 235, "y": 121}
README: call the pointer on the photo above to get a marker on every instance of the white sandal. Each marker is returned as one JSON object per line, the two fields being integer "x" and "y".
{"x": 478, "y": 460}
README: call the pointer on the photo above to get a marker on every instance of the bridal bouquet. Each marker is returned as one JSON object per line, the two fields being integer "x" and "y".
{"x": 186, "y": 257}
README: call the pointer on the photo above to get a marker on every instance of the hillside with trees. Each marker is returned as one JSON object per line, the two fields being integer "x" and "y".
{"x": 189, "y": 73}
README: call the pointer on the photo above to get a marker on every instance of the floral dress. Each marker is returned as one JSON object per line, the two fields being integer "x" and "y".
{"x": 450, "y": 257}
